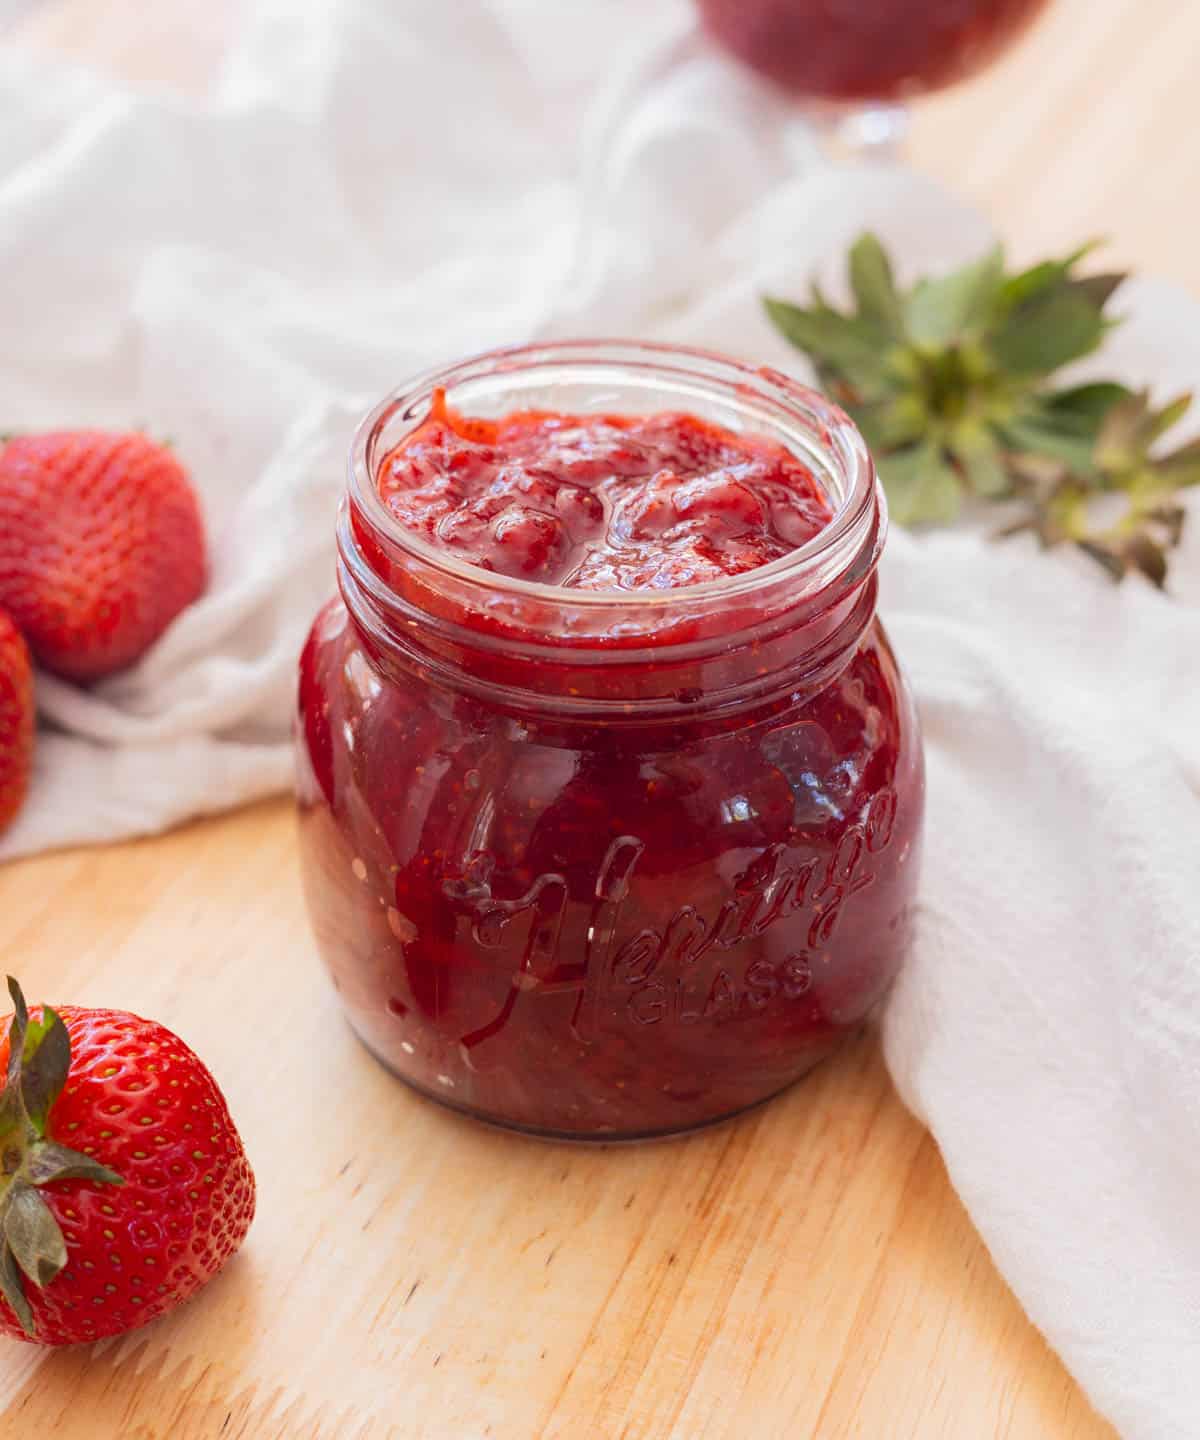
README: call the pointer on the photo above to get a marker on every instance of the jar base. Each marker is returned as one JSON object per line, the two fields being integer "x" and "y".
{"x": 597, "y": 1137}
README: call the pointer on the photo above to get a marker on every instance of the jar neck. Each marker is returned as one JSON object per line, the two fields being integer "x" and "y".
{"x": 785, "y": 629}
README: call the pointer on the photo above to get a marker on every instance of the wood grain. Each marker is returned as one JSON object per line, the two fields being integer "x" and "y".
{"x": 1085, "y": 130}
{"x": 805, "y": 1271}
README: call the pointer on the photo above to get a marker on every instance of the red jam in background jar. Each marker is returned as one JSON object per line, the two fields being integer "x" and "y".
{"x": 610, "y": 787}
{"x": 866, "y": 49}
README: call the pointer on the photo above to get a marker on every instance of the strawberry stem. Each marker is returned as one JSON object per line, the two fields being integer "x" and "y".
{"x": 31, "y": 1244}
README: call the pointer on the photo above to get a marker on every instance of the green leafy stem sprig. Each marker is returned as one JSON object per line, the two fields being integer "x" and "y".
{"x": 951, "y": 383}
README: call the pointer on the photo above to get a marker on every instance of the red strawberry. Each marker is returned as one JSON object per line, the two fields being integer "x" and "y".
{"x": 16, "y": 719}
{"x": 101, "y": 546}
{"x": 88, "y": 1251}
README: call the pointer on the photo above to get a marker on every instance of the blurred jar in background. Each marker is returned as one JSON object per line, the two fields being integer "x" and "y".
{"x": 847, "y": 50}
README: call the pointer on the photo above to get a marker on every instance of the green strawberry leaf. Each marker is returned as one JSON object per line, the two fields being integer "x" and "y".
{"x": 32, "y": 1234}
{"x": 922, "y": 489}
{"x": 942, "y": 310}
{"x": 12, "y": 1287}
{"x": 1099, "y": 289}
{"x": 1049, "y": 331}
{"x": 1090, "y": 402}
{"x": 893, "y": 423}
{"x": 1041, "y": 434}
{"x": 843, "y": 344}
{"x": 1179, "y": 470}
{"x": 51, "y": 1161}
{"x": 13, "y": 1121}
{"x": 973, "y": 445}
{"x": 1104, "y": 555}
{"x": 1145, "y": 553}
{"x": 1026, "y": 284}
{"x": 44, "y": 1067}
{"x": 16, "y": 1034}
{"x": 1169, "y": 415}
{"x": 874, "y": 288}
{"x": 1023, "y": 285}
{"x": 1132, "y": 426}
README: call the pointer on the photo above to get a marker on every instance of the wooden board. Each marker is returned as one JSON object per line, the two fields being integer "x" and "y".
{"x": 805, "y": 1271}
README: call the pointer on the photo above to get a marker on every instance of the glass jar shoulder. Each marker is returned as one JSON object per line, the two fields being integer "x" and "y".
{"x": 426, "y": 771}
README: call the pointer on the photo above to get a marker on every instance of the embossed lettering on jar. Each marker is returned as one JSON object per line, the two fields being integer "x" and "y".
{"x": 608, "y": 863}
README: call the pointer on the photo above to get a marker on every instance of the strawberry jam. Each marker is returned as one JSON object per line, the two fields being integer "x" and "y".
{"x": 601, "y": 502}
{"x": 610, "y": 787}
{"x": 866, "y": 49}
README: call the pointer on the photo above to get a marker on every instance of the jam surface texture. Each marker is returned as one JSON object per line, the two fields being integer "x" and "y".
{"x": 601, "y": 502}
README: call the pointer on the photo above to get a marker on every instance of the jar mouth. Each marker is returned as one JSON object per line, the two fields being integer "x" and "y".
{"x": 617, "y": 374}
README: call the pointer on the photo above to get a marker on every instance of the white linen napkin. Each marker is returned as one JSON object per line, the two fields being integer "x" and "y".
{"x": 372, "y": 187}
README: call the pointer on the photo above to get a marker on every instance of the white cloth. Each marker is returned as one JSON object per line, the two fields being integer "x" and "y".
{"x": 372, "y": 187}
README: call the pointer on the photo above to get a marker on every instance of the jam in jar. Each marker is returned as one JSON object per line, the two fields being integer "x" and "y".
{"x": 866, "y": 50}
{"x": 610, "y": 786}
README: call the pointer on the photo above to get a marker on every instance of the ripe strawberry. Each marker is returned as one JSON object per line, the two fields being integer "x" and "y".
{"x": 16, "y": 719}
{"x": 88, "y": 1251}
{"x": 101, "y": 546}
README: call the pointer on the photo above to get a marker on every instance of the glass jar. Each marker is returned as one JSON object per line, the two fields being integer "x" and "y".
{"x": 856, "y": 64}
{"x": 596, "y": 864}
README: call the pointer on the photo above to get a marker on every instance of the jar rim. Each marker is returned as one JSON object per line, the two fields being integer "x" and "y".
{"x": 859, "y": 516}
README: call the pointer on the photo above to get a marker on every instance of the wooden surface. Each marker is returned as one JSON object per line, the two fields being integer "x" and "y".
{"x": 806, "y": 1271}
